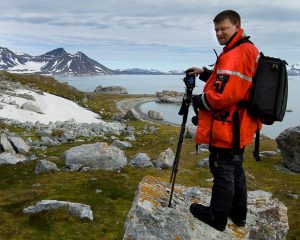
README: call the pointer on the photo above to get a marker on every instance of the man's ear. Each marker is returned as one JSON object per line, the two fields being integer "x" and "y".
{"x": 238, "y": 27}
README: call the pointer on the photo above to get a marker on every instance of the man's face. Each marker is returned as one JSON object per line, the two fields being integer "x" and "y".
{"x": 225, "y": 30}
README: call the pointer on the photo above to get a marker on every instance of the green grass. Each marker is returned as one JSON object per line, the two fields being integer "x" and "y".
{"x": 20, "y": 187}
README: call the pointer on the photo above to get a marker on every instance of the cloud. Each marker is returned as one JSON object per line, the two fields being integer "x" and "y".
{"x": 167, "y": 28}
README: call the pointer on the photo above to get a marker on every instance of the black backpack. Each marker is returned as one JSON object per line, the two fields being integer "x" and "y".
{"x": 269, "y": 91}
{"x": 268, "y": 97}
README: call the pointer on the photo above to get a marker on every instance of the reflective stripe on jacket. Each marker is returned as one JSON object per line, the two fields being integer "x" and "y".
{"x": 229, "y": 83}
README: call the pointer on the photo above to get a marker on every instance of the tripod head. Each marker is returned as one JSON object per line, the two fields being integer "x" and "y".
{"x": 190, "y": 82}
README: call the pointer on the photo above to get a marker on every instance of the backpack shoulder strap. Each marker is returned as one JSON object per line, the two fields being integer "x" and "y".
{"x": 241, "y": 41}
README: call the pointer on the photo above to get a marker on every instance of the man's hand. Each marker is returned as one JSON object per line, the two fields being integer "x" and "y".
{"x": 194, "y": 70}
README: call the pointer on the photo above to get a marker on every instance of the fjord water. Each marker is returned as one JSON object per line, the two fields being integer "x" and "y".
{"x": 150, "y": 84}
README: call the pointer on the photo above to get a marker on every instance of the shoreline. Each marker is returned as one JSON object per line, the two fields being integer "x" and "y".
{"x": 135, "y": 103}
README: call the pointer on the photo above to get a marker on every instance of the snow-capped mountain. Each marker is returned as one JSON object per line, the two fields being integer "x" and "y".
{"x": 138, "y": 71}
{"x": 9, "y": 59}
{"x": 294, "y": 70}
{"x": 57, "y": 61}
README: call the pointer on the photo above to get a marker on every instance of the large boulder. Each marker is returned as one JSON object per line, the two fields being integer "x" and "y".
{"x": 31, "y": 107}
{"x": 98, "y": 155}
{"x": 6, "y": 145}
{"x": 155, "y": 115}
{"x": 141, "y": 160}
{"x": 19, "y": 145}
{"x": 131, "y": 114}
{"x": 11, "y": 158}
{"x": 165, "y": 159}
{"x": 289, "y": 144}
{"x": 45, "y": 166}
{"x": 77, "y": 209}
{"x": 151, "y": 218}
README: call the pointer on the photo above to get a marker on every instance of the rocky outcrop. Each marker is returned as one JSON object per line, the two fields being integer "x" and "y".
{"x": 151, "y": 218}
{"x": 169, "y": 97}
{"x": 289, "y": 144}
{"x": 97, "y": 156}
{"x": 111, "y": 90}
{"x": 77, "y": 209}
{"x": 155, "y": 115}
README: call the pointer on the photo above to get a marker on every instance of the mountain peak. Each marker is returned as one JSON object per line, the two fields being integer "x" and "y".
{"x": 56, "y": 52}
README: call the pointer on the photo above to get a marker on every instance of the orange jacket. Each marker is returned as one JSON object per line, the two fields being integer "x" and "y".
{"x": 228, "y": 84}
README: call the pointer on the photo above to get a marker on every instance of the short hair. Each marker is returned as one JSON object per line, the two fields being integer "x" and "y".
{"x": 233, "y": 17}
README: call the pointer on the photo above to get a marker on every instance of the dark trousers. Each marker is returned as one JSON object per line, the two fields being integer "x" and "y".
{"x": 229, "y": 192}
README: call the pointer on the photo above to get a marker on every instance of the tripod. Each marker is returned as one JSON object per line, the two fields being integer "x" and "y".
{"x": 184, "y": 110}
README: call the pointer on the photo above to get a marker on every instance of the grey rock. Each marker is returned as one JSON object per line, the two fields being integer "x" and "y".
{"x": 267, "y": 153}
{"x": 97, "y": 155}
{"x": 150, "y": 217}
{"x": 130, "y": 138}
{"x": 165, "y": 159}
{"x": 118, "y": 117}
{"x": 44, "y": 133}
{"x": 203, "y": 163}
{"x": 202, "y": 148}
{"x": 190, "y": 131}
{"x": 26, "y": 96}
{"x": 6, "y": 145}
{"x": 293, "y": 195}
{"x": 131, "y": 114}
{"x": 111, "y": 90}
{"x": 289, "y": 144}
{"x": 45, "y": 166}
{"x": 77, "y": 209}
{"x": 11, "y": 158}
{"x": 46, "y": 141}
{"x": 121, "y": 144}
{"x": 19, "y": 145}
{"x": 155, "y": 115}
{"x": 141, "y": 160}
{"x": 31, "y": 107}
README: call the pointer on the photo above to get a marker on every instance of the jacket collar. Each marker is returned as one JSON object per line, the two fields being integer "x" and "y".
{"x": 238, "y": 36}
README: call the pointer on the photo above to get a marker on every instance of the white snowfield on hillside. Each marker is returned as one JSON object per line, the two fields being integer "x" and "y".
{"x": 28, "y": 67}
{"x": 53, "y": 109}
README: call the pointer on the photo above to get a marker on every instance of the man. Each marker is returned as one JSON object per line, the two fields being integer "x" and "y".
{"x": 224, "y": 124}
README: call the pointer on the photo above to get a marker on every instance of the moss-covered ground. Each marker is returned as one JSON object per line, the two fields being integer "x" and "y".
{"x": 20, "y": 187}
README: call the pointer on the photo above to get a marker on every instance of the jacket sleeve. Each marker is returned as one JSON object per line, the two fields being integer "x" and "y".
{"x": 205, "y": 75}
{"x": 232, "y": 84}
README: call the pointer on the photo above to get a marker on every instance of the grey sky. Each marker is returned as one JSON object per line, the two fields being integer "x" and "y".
{"x": 159, "y": 34}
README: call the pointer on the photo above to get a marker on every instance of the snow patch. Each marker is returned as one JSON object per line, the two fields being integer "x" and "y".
{"x": 54, "y": 108}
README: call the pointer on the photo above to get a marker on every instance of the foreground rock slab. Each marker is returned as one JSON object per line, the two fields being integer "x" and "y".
{"x": 151, "y": 218}
{"x": 76, "y": 209}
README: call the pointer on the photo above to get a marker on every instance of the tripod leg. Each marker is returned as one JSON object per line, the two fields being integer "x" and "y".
{"x": 178, "y": 151}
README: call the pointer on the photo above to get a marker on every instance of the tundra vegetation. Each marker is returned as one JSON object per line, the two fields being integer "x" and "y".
{"x": 20, "y": 187}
